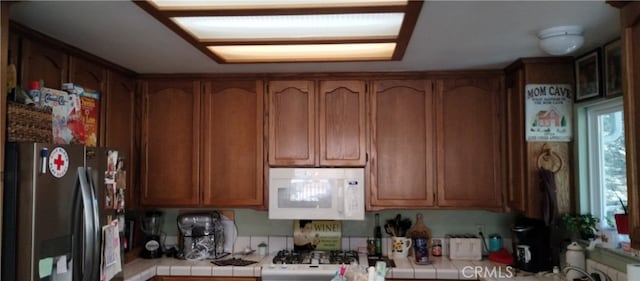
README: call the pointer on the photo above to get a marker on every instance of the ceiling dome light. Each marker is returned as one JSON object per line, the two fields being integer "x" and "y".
{"x": 561, "y": 40}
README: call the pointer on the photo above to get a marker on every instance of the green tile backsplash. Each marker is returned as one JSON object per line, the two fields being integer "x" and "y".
{"x": 441, "y": 222}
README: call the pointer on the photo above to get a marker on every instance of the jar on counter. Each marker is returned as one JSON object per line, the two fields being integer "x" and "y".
{"x": 436, "y": 248}
{"x": 262, "y": 249}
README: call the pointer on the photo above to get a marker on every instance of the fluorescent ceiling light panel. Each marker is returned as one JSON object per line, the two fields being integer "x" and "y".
{"x": 268, "y": 4}
{"x": 351, "y": 26}
{"x": 258, "y": 31}
{"x": 310, "y": 52}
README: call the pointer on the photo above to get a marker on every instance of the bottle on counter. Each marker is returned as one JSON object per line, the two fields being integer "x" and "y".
{"x": 377, "y": 235}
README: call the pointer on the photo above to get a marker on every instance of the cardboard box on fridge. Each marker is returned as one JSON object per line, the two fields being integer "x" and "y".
{"x": 67, "y": 123}
{"x": 89, "y": 112}
{"x": 90, "y": 103}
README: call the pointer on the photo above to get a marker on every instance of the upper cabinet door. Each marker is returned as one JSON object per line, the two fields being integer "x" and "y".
{"x": 342, "y": 123}
{"x": 517, "y": 171}
{"x": 87, "y": 74}
{"x": 469, "y": 142}
{"x": 40, "y": 62}
{"x": 402, "y": 139}
{"x": 90, "y": 76}
{"x": 120, "y": 128}
{"x": 170, "y": 143}
{"x": 292, "y": 127}
{"x": 232, "y": 135}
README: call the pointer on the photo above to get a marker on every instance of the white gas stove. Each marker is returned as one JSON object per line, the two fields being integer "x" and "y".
{"x": 289, "y": 265}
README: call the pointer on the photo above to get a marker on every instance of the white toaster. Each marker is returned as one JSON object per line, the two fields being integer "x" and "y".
{"x": 464, "y": 247}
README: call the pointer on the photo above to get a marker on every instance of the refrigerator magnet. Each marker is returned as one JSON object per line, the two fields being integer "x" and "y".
{"x": 44, "y": 153}
{"x": 58, "y": 162}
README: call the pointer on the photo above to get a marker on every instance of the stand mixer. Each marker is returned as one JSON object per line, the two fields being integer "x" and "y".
{"x": 151, "y": 225}
{"x": 202, "y": 236}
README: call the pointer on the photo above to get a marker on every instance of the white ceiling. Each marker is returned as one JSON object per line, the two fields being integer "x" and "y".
{"x": 450, "y": 35}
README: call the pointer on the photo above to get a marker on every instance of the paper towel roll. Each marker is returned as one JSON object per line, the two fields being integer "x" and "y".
{"x": 633, "y": 271}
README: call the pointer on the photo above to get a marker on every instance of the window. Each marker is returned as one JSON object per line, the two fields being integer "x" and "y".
{"x": 606, "y": 160}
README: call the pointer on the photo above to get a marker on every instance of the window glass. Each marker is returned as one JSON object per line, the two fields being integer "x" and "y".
{"x": 607, "y": 162}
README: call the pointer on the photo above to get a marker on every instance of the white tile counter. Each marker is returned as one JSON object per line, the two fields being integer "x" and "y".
{"x": 143, "y": 269}
{"x": 440, "y": 268}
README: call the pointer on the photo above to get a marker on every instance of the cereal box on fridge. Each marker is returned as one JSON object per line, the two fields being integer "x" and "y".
{"x": 89, "y": 112}
{"x": 90, "y": 103}
{"x": 66, "y": 124}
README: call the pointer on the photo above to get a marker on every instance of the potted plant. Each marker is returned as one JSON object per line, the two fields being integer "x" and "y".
{"x": 581, "y": 226}
{"x": 622, "y": 220}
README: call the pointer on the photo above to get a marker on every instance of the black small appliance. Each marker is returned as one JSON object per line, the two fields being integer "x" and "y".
{"x": 151, "y": 224}
{"x": 531, "y": 242}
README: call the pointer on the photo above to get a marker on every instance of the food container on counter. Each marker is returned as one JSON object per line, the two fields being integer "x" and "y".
{"x": 464, "y": 247}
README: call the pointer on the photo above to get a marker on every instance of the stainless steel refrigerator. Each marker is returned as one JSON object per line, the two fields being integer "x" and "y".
{"x": 57, "y": 201}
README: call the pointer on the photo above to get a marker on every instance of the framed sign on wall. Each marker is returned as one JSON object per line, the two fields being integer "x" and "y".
{"x": 613, "y": 69}
{"x": 587, "y": 68}
{"x": 548, "y": 109}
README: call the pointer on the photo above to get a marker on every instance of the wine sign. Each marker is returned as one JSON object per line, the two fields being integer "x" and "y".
{"x": 317, "y": 235}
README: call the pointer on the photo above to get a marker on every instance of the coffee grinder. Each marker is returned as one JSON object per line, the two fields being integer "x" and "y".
{"x": 151, "y": 224}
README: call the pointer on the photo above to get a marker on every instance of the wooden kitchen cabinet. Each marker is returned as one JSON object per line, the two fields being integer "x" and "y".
{"x": 170, "y": 143}
{"x": 42, "y": 62}
{"x": 89, "y": 75}
{"x": 232, "y": 143}
{"x": 292, "y": 126}
{"x": 120, "y": 127}
{"x": 317, "y": 123}
{"x": 522, "y": 188}
{"x": 402, "y": 144}
{"x": 469, "y": 142}
{"x": 342, "y": 119}
{"x": 630, "y": 35}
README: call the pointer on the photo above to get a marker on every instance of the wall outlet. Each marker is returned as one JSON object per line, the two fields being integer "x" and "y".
{"x": 480, "y": 228}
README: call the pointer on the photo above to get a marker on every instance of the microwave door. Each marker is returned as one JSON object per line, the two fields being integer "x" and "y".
{"x": 302, "y": 199}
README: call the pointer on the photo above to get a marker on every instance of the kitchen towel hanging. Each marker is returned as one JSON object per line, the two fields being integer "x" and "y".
{"x": 549, "y": 200}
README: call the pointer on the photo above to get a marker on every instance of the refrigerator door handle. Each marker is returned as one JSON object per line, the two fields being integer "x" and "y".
{"x": 89, "y": 229}
{"x": 97, "y": 230}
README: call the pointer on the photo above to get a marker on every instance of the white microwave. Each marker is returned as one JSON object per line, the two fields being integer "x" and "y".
{"x": 316, "y": 193}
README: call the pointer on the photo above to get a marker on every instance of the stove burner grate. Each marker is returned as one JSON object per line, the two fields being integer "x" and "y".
{"x": 234, "y": 262}
{"x": 316, "y": 257}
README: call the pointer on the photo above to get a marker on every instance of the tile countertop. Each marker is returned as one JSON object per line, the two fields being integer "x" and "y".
{"x": 440, "y": 268}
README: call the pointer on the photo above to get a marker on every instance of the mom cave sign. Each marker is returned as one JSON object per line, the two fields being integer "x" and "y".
{"x": 548, "y": 110}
